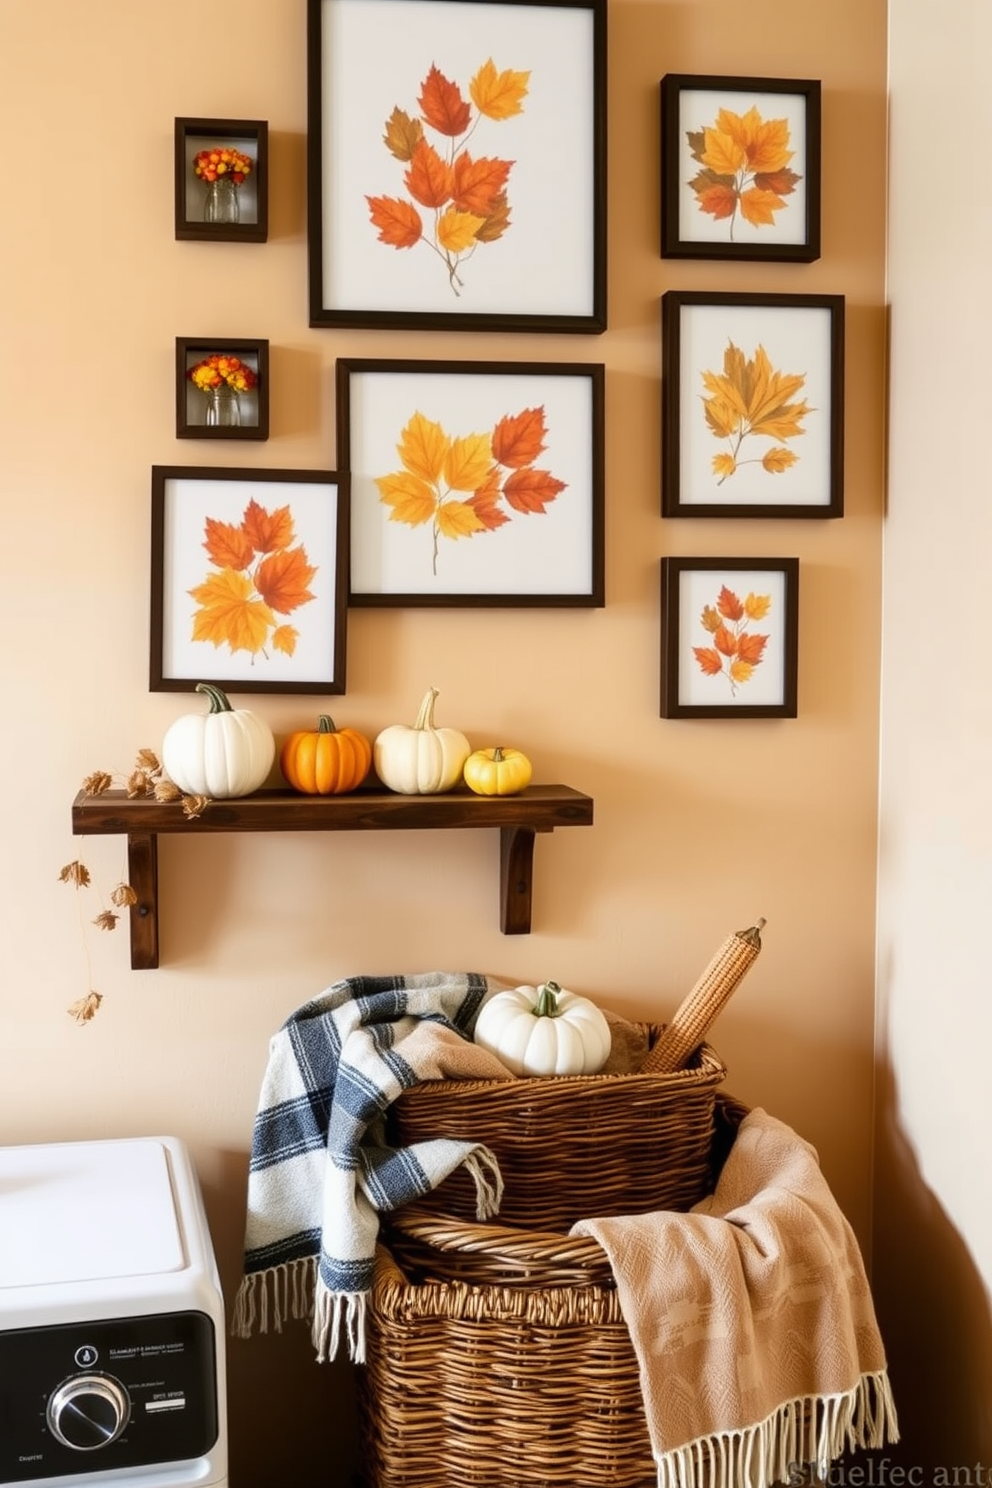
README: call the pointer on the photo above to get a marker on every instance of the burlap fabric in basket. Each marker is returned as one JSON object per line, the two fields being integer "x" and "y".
{"x": 500, "y": 1359}
{"x": 620, "y": 1142}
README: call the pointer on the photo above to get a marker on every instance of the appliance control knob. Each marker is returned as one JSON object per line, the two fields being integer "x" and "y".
{"x": 88, "y": 1411}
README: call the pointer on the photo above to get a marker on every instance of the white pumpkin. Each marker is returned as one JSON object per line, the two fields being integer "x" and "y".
{"x": 544, "y": 1030}
{"x": 422, "y": 760}
{"x": 222, "y": 753}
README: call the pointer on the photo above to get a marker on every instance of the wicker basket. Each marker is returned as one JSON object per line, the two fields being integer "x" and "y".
{"x": 500, "y": 1359}
{"x": 574, "y": 1146}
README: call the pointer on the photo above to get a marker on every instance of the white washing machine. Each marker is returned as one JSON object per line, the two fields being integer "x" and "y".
{"x": 111, "y": 1319}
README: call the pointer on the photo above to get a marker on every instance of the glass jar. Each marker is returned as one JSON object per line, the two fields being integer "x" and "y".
{"x": 223, "y": 408}
{"x": 221, "y": 203}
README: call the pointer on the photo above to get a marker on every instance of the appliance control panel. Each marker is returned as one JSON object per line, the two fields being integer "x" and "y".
{"x": 96, "y": 1396}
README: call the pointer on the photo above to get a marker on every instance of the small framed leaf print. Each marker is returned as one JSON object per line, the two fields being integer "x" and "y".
{"x": 741, "y": 168}
{"x": 752, "y": 405}
{"x": 473, "y": 483}
{"x": 457, "y": 164}
{"x": 730, "y": 637}
{"x": 248, "y": 583}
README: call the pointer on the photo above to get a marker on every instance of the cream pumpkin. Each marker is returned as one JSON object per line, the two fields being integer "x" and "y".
{"x": 544, "y": 1030}
{"x": 421, "y": 760}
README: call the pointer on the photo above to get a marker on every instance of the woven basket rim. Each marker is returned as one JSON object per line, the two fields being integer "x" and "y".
{"x": 710, "y": 1068}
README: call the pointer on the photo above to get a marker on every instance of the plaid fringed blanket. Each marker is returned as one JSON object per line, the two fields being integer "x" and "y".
{"x": 321, "y": 1172}
{"x": 752, "y": 1322}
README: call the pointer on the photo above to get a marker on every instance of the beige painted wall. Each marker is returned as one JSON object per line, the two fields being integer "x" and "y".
{"x": 933, "y": 1229}
{"x": 700, "y": 826}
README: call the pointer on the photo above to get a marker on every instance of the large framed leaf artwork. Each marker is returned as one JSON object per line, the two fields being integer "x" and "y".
{"x": 457, "y": 164}
{"x": 730, "y": 637}
{"x": 248, "y": 579}
{"x": 473, "y": 483}
{"x": 752, "y": 405}
{"x": 740, "y": 168}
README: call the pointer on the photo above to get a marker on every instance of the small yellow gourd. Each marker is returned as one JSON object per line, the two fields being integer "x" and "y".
{"x": 497, "y": 772}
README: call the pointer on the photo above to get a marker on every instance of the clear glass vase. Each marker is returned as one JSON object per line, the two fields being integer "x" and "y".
{"x": 223, "y": 408}
{"x": 221, "y": 203}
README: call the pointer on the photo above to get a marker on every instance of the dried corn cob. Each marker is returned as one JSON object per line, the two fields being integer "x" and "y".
{"x": 699, "y": 1009}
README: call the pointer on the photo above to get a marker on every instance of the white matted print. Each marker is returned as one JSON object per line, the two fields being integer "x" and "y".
{"x": 729, "y": 637}
{"x": 473, "y": 483}
{"x": 752, "y": 405}
{"x": 741, "y": 162}
{"x": 248, "y": 579}
{"x": 457, "y": 164}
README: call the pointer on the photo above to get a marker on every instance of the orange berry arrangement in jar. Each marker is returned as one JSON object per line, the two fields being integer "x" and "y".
{"x": 222, "y": 169}
{"x": 221, "y": 377}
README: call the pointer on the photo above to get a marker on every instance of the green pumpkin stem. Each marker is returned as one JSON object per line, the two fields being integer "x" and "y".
{"x": 546, "y": 1005}
{"x": 218, "y": 700}
{"x": 325, "y": 724}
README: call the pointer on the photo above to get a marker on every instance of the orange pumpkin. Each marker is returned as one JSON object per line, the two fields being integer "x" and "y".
{"x": 325, "y": 761}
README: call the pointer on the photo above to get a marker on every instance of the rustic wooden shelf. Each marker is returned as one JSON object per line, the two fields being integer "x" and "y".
{"x": 539, "y": 808}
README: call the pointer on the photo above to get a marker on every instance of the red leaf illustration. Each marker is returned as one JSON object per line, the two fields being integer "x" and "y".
{"x": 442, "y": 104}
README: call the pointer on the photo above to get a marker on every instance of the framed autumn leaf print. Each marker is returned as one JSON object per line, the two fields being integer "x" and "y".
{"x": 473, "y": 483}
{"x": 457, "y": 164}
{"x": 730, "y": 636}
{"x": 752, "y": 405}
{"x": 249, "y": 579}
{"x": 740, "y": 168}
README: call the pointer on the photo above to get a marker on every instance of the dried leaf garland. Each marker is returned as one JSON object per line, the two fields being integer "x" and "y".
{"x": 144, "y": 781}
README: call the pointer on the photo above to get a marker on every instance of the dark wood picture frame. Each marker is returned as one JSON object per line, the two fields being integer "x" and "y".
{"x": 714, "y": 663}
{"x": 744, "y": 180}
{"x": 519, "y": 523}
{"x": 251, "y": 137}
{"x": 249, "y": 579}
{"x": 382, "y": 252}
{"x": 796, "y": 338}
{"x": 193, "y": 406}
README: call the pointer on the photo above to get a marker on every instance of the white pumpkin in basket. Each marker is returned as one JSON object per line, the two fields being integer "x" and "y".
{"x": 544, "y": 1030}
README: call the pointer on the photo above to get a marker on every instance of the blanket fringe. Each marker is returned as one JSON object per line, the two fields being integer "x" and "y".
{"x": 810, "y": 1430}
{"x": 483, "y": 1167}
{"x": 278, "y": 1293}
{"x": 329, "y": 1311}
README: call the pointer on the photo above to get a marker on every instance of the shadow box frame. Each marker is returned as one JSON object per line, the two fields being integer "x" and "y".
{"x": 691, "y": 686}
{"x": 199, "y": 133}
{"x": 399, "y": 425}
{"x": 189, "y": 351}
{"x": 720, "y": 167}
{"x": 244, "y": 552}
{"x": 777, "y": 481}
{"x": 375, "y": 256}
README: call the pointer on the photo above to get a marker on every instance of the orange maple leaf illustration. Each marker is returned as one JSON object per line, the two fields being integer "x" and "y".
{"x": 268, "y": 531}
{"x": 750, "y": 398}
{"x": 468, "y": 484}
{"x": 736, "y": 651}
{"x": 745, "y": 168}
{"x": 464, "y": 196}
{"x": 399, "y": 223}
{"x": 442, "y": 104}
{"x": 238, "y": 601}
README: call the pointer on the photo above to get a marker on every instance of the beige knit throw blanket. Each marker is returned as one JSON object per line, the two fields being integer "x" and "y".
{"x": 752, "y": 1321}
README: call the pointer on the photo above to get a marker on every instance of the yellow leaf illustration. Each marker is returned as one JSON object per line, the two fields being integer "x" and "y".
{"x": 423, "y": 448}
{"x": 722, "y": 153}
{"x": 456, "y": 230}
{"x": 749, "y": 397}
{"x": 284, "y": 639}
{"x": 458, "y": 519}
{"x": 469, "y": 462}
{"x": 498, "y": 95}
{"x": 756, "y": 606}
{"x": 759, "y": 206}
{"x": 228, "y": 615}
{"x": 779, "y": 459}
{"x": 412, "y": 500}
{"x": 710, "y": 620}
{"x": 740, "y": 671}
